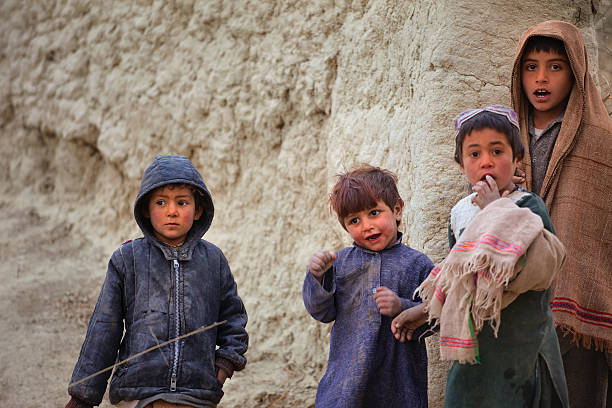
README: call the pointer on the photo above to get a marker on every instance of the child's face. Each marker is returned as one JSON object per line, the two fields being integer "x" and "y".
{"x": 547, "y": 80}
{"x": 375, "y": 228}
{"x": 487, "y": 152}
{"x": 172, "y": 210}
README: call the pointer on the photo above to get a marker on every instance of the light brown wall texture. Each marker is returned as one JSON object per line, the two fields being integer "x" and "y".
{"x": 270, "y": 99}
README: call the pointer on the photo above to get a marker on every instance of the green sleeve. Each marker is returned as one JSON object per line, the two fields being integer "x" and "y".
{"x": 537, "y": 206}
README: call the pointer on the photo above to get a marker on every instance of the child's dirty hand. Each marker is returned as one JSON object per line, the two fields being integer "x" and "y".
{"x": 221, "y": 376}
{"x": 519, "y": 177}
{"x": 486, "y": 192}
{"x": 387, "y": 301}
{"x": 320, "y": 262}
{"x": 404, "y": 325}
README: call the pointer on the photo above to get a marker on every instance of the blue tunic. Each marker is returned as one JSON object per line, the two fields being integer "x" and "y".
{"x": 367, "y": 367}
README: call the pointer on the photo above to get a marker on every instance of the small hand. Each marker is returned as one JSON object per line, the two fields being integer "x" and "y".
{"x": 221, "y": 375}
{"x": 519, "y": 177}
{"x": 387, "y": 301}
{"x": 320, "y": 262}
{"x": 486, "y": 192}
{"x": 404, "y": 325}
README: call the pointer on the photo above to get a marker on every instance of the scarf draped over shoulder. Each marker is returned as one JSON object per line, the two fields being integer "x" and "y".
{"x": 503, "y": 252}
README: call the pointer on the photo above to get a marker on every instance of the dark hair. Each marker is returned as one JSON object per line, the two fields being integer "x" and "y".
{"x": 546, "y": 44}
{"x": 361, "y": 188}
{"x": 489, "y": 120}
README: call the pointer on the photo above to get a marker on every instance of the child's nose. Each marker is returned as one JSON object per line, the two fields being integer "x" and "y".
{"x": 172, "y": 209}
{"x": 486, "y": 160}
{"x": 541, "y": 76}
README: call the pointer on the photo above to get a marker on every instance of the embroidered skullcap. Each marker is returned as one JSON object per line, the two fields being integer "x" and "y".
{"x": 502, "y": 110}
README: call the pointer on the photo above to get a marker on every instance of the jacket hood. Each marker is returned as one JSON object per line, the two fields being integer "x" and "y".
{"x": 584, "y": 104}
{"x": 173, "y": 170}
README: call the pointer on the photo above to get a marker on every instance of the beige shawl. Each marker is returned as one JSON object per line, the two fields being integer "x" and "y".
{"x": 503, "y": 252}
{"x": 577, "y": 190}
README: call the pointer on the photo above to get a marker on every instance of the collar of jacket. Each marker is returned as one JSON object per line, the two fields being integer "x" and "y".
{"x": 183, "y": 253}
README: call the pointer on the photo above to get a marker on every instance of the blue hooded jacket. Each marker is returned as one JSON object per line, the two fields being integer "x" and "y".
{"x": 159, "y": 293}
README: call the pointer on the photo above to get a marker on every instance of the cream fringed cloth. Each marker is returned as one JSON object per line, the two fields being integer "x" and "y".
{"x": 503, "y": 252}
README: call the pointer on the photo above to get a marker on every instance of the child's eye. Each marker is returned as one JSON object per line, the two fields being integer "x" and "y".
{"x": 160, "y": 202}
{"x": 556, "y": 67}
{"x": 497, "y": 151}
{"x": 352, "y": 221}
{"x": 473, "y": 154}
{"x": 530, "y": 67}
{"x": 374, "y": 212}
{"x": 182, "y": 203}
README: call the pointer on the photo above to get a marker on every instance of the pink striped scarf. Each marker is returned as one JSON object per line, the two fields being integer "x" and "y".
{"x": 503, "y": 252}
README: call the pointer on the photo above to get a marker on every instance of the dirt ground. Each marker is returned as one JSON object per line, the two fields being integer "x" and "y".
{"x": 44, "y": 318}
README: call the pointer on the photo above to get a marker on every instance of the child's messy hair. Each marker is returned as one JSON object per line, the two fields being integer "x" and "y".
{"x": 489, "y": 120}
{"x": 361, "y": 188}
{"x": 546, "y": 44}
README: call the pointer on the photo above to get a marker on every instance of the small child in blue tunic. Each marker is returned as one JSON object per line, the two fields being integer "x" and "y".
{"x": 361, "y": 289}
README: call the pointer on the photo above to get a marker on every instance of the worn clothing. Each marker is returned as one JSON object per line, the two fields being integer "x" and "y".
{"x": 504, "y": 252}
{"x": 590, "y": 382}
{"x": 521, "y": 366}
{"x": 168, "y": 399}
{"x": 464, "y": 211}
{"x": 158, "y": 293}
{"x": 540, "y": 148}
{"x": 577, "y": 189}
{"x": 367, "y": 367}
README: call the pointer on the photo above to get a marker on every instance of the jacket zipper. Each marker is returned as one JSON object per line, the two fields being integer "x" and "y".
{"x": 176, "y": 323}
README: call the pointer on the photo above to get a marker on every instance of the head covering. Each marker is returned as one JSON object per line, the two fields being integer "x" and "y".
{"x": 501, "y": 110}
{"x": 577, "y": 190}
{"x": 164, "y": 170}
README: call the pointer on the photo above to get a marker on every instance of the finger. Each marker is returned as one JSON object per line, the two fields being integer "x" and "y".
{"x": 318, "y": 262}
{"x": 491, "y": 183}
{"x": 403, "y": 335}
{"x": 316, "y": 267}
{"x": 408, "y": 334}
{"x": 478, "y": 189}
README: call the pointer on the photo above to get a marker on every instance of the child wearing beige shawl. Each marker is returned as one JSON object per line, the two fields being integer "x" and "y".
{"x": 490, "y": 295}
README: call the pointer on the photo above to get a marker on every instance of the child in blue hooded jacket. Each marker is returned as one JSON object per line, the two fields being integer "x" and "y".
{"x": 159, "y": 287}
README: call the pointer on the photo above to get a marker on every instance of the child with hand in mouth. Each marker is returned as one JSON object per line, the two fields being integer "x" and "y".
{"x": 361, "y": 288}
{"x": 490, "y": 295}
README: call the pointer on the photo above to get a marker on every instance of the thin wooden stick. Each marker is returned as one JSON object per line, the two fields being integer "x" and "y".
{"x": 201, "y": 329}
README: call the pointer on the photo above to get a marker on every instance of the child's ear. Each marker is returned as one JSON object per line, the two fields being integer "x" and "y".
{"x": 397, "y": 209}
{"x": 518, "y": 161}
{"x": 462, "y": 169}
{"x": 198, "y": 213}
